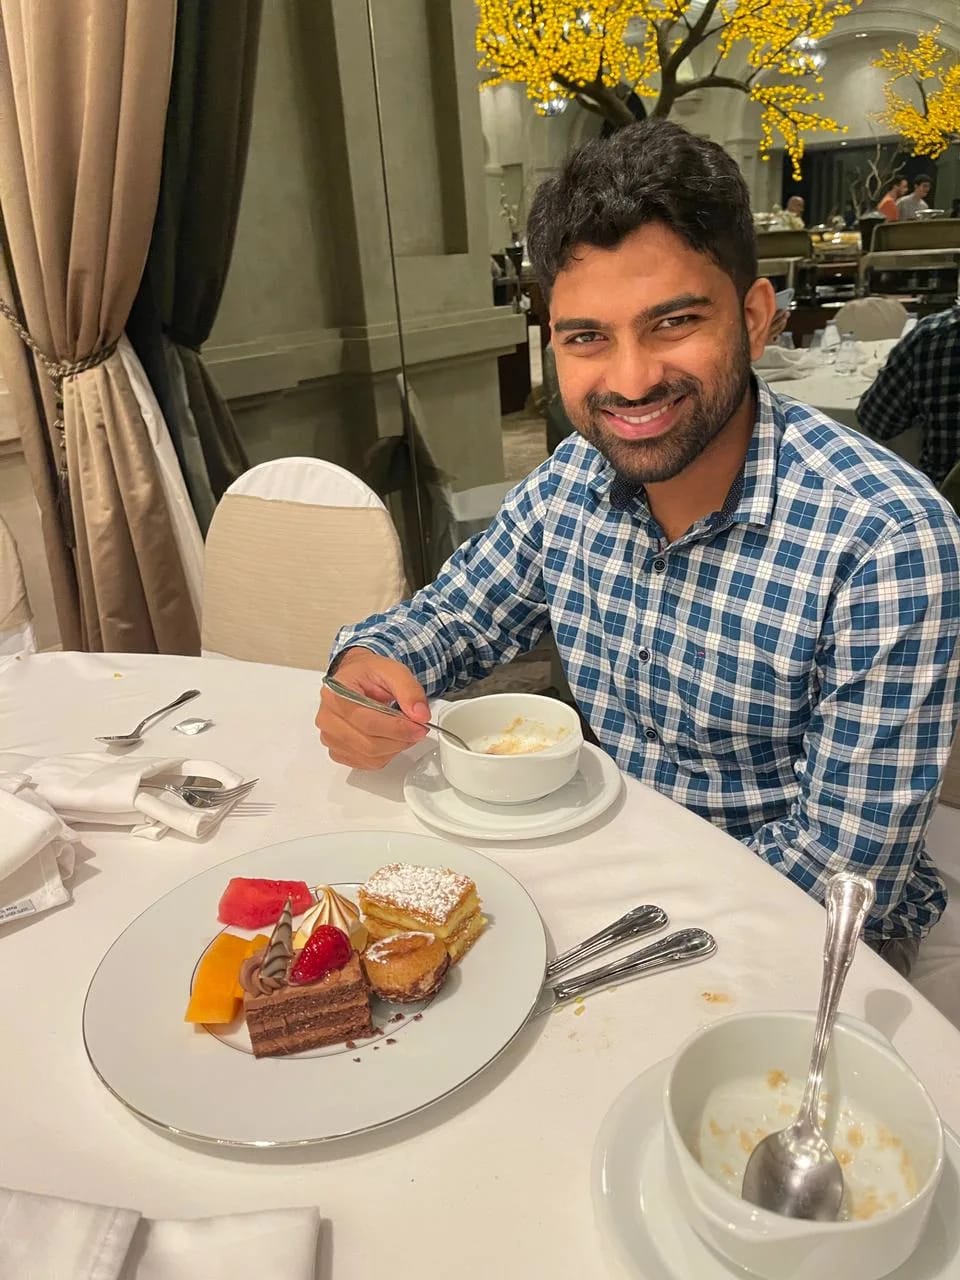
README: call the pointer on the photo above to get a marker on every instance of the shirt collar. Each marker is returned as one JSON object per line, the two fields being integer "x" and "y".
{"x": 752, "y": 495}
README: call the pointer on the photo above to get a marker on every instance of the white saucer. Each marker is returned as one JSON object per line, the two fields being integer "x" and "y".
{"x": 638, "y": 1218}
{"x": 597, "y": 783}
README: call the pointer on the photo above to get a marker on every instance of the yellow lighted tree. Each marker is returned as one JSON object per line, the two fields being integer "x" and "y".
{"x": 930, "y": 127}
{"x": 591, "y": 50}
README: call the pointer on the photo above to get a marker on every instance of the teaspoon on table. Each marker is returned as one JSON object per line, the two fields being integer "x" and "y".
{"x": 351, "y": 695}
{"x": 794, "y": 1172}
{"x": 130, "y": 739}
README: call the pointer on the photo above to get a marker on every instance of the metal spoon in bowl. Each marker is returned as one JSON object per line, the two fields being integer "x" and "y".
{"x": 794, "y": 1172}
{"x": 371, "y": 704}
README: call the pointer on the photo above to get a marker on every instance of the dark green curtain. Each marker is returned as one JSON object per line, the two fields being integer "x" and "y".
{"x": 205, "y": 151}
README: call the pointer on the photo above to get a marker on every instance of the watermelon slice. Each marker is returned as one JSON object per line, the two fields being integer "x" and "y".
{"x": 251, "y": 903}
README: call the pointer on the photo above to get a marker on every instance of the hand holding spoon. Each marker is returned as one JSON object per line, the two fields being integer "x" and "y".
{"x": 351, "y": 695}
{"x": 794, "y": 1172}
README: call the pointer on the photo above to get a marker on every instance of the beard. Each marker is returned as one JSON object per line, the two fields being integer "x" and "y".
{"x": 706, "y": 411}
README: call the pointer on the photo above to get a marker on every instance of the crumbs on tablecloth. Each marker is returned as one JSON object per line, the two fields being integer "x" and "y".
{"x": 117, "y": 675}
{"x": 716, "y": 997}
{"x": 578, "y": 1010}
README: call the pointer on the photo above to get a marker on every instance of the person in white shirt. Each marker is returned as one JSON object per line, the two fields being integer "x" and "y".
{"x": 909, "y": 206}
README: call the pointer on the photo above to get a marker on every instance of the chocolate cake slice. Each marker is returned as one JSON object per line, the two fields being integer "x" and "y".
{"x": 308, "y": 1016}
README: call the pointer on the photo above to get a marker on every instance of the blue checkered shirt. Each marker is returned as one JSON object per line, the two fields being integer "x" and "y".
{"x": 787, "y": 669}
{"x": 919, "y": 386}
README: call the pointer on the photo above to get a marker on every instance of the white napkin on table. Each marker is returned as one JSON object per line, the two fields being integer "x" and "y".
{"x": 780, "y": 364}
{"x": 45, "y": 1238}
{"x": 36, "y": 852}
{"x": 105, "y": 790}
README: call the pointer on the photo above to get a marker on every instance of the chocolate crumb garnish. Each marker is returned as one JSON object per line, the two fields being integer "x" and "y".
{"x": 351, "y": 1044}
{"x": 398, "y": 1017}
{"x": 391, "y": 1041}
{"x": 417, "y": 1017}
{"x": 356, "y": 1059}
{"x": 375, "y": 1048}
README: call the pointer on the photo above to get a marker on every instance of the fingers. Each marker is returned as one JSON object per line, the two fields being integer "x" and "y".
{"x": 360, "y": 737}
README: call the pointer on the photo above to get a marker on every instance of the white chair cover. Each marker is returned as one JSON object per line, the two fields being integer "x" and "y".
{"x": 297, "y": 548}
{"x": 870, "y": 319}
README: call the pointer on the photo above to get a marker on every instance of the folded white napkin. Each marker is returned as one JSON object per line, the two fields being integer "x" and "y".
{"x": 780, "y": 364}
{"x": 45, "y": 1238}
{"x": 99, "y": 789}
{"x": 36, "y": 852}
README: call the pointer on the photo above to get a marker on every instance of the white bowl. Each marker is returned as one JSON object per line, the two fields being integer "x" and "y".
{"x": 510, "y": 779}
{"x": 725, "y": 1067}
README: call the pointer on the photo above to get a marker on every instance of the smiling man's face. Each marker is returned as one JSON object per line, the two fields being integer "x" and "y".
{"x": 653, "y": 349}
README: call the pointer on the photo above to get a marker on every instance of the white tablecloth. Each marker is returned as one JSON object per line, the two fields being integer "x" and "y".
{"x": 838, "y": 394}
{"x": 495, "y": 1179}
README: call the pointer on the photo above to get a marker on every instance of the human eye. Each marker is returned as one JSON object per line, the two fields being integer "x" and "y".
{"x": 588, "y": 338}
{"x": 676, "y": 324}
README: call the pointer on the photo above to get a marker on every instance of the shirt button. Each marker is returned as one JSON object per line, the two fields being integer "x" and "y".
{"x": 659, "y": 565}
{"x": 644, "y": 655}
{"x": 650, "y": 735}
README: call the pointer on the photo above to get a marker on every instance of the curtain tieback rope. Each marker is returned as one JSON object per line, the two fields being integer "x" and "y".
{"x": 58, "y": 371}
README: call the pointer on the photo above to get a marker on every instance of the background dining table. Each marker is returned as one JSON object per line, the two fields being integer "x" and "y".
{"x": 494, "y": 1179}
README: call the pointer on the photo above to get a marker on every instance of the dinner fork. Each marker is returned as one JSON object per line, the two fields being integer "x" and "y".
{"x": 204, "y": 799}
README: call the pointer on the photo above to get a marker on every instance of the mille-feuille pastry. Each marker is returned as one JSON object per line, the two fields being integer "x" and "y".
{"x": 403, "y": 898}
{"x": 406, "y": 966}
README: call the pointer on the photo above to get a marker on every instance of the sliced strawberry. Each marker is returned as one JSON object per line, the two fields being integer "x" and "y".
{"x": 328, "y": 948}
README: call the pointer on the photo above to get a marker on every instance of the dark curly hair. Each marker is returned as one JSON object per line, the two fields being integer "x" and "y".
{"x": 651, "y": 171}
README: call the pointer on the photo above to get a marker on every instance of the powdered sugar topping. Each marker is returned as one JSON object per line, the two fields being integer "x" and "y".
{"x": 432, "y": 893}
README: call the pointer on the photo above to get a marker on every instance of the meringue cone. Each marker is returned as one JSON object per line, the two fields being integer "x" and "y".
{"x": 333, "y": 908}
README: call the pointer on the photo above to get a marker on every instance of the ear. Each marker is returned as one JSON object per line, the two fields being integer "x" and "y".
{"x": 759, "y": 307}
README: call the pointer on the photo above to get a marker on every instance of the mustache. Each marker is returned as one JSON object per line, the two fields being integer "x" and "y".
{"x": 595, "y": 401}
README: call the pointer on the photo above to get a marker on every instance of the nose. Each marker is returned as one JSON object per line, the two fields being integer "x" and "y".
{"x": 633, "y": 371}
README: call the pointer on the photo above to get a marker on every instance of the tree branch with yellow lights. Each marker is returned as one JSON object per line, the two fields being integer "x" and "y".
{"x": 930, "y": 127}
{"x": 596, "y": 51}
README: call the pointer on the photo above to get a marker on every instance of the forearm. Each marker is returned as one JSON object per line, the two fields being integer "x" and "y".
{"x": 486, "y": 606}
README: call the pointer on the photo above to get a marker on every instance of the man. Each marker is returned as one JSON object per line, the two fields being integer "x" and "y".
{"x": 888, "y": 205}
{"x": 757, "y": 609}
{"x": 794, "y": 212}
{"x": 909, "y": 206}
{"x": 919, "y": 386}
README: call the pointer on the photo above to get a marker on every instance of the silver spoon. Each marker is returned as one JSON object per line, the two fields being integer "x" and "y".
{"x": 794, "y": 1172}
{"x": 128, "y": 739}
{"x": 371, "y": 704}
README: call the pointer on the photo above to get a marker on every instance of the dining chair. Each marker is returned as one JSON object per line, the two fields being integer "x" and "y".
{"x": 16, "y": 618}
{"x": 296, "y": 549}
{"x": 872, "y": 319}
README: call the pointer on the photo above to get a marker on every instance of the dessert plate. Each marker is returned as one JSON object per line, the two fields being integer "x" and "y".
{"x": 190, "y": 1083}
{"x": 596, "y": 785}
{"x": 647, "y": 1234}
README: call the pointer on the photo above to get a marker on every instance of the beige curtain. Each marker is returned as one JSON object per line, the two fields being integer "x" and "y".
{"x": 84, "y": 86}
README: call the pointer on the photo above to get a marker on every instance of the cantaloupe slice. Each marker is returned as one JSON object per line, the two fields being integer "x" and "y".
{"x": 255, "y": 944}
{"x": 213, "y": 998}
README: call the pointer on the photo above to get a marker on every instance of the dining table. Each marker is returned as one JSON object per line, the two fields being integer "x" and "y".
{"x": 494, "y": 1179}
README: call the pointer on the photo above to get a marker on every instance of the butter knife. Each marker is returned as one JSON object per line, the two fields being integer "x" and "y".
{"x": 686, "y": 946}
{"x": 635, "y": 924}
{"x": 195, "y": 781}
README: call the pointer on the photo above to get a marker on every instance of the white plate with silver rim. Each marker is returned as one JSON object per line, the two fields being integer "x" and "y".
{"x": 596, "y": 785}
{"x": 192, "y": 1083}
{"x": 648, "y": 1236}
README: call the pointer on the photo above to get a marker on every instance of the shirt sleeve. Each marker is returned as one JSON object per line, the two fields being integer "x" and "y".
{"x": 487, "y": 605}
{"x": 878, "y": 741}
{"x": 889, "y": 406}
